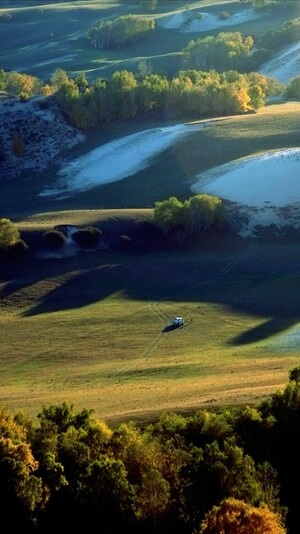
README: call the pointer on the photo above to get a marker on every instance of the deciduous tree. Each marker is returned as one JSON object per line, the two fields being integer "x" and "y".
{"x": 9, "y": 234}
{"x": 234, "y": 516}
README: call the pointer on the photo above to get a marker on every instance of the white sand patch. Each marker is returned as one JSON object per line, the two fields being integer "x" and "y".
{"x": 117, "y": 159}
{"x": 273, "y": 176}
{"x": 285, "y": 65}
{"x": 265, "y": 188}
{"x": 196, "y": 21}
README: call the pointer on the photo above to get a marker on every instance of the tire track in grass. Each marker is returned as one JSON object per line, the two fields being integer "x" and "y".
{"x": 153, "y": 344}
{"x": 165, "y": 320}
{"x": 227, "y": 268}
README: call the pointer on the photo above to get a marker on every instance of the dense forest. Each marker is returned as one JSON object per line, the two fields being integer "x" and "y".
{"x": 236, "y": 468}
{"x": 190, "y": 95}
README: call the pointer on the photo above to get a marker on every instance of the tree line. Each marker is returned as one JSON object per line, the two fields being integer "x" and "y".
{"x": 194, "y": 215}
{"x": 212, "y": 84}
{"x": 223, "y": 470}
{"x": 191, "y": 94}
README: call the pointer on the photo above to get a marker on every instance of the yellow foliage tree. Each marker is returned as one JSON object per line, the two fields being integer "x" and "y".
{"x": 234, "y": 516}
{"x": 19, "y": 485}
{"x": 9, "y": 234}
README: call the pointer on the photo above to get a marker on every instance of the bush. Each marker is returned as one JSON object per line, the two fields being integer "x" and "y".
{"x": 23, "y": 96}
{"x": 9, "y": 234}
{"x": 224, "y": 15}
{"x": 88, "y": 237}
{"x": 54, "y": 239}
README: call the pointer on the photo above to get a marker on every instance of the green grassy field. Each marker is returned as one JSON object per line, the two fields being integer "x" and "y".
{"x": 93, "y": 329}
{"x": 40, "y": 38}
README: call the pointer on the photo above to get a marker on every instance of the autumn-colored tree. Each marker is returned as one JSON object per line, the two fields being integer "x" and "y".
{"x": 59, "y": 78}
{"x": 21, "y": 490}
{"x": 234, "y": 516}
{"x": 47, "y": 90}
{"x": 22, "y": 84}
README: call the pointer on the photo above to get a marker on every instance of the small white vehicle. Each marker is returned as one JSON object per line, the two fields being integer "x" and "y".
{"x": 177, "y": 321}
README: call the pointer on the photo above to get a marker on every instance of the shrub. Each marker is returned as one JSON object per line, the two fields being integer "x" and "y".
{"x": 88, "y": 237}
{"x": 53, "y": 239}
{"x": 9, "y": 234}
{"x": 23, "y": 96}
{"x": 224, "y": 15}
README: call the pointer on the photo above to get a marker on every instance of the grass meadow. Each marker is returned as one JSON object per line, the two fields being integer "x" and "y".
{"x": 40, "y": 38}
{"x": 93, "y": 329}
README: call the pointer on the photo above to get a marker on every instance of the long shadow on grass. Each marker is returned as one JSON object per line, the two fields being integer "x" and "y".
{"x": 250, "y": 282}
{"x": 82, "y": 288}
{"x": 268, "y": 329}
